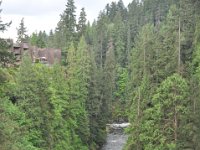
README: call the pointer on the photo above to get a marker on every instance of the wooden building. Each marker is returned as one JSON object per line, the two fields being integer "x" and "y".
{"x": 43, "y": 55}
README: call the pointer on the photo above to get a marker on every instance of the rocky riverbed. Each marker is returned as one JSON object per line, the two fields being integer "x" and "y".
{"x": 116, "y": 138}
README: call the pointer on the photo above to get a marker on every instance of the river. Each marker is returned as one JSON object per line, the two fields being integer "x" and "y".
{"x": 116, "y": 139}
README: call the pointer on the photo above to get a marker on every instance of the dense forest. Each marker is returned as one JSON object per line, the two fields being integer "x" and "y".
{"x": 139, "y": 63}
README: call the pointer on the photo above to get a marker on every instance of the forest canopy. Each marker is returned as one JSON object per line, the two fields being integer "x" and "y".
{"x": 137, "y": 64}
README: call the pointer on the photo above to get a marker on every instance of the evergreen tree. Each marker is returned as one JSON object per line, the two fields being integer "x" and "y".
{"x": 12, "y": 136}
{"x": 12, "y": 119}
{"x": 6, "y": 57}
{"x": 169, "y": 58}
{"x": 187, "y": 29}
{"x": 66, "y": 29}
{"x": 165, "y": 124}
{"x": 21, "y": 32}
{"x": 41, "y": 39}
{"x": 195, "y": 86}
{"x": 122, "y": 9}
{"x": 139, "y": 103}
{"x": 143, "y": 57}
{"x": 149, "y": 70}
{"x": 33, "y": 39}
{"x": 83, "y": 74}
{"x": 60, "y": 38}
{"x": 172, "y": 108}
{"x": 143, "y": 81}
{"x": 94, "y": 107}
{"x": 120, "y": 104}
{"x": 3, "y": 26}
{"x": 119, "y": 39}
{"x": 81, "y": 27}
{"x": 55, "y": 117}
{"x": 63, "y": 122}
{"x": 78, "y": 77}
{"x": 33, "y": 101}
{"x": 112, "y": 10}
{"x": 109, "y": 79}
{"x": 70, "y": 17}
{"x": 134, "y": 18}
{"x": 102, "y": 39}
{"x": 51, "y": 40}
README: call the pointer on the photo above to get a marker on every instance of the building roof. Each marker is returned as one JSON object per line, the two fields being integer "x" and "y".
{"x": 25, "y": 46}
{"x": 16, "y": 45}
{"x": 51, "y": 55}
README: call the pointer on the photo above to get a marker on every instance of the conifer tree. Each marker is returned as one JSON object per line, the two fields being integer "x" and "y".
{"x": 119, "y": 39}
{"x": 21, "y": 32}
{"x": 81, "y": 27}
{"x": 187, "y": 29}
{"x": 168, "y": 55}
{"x": 12, "y": 118}
{"x": 66, "y": 29}
{"x": 78, "y": 76}
{"x": 12, "y": 136}
{"x": 142, "y": 82}
{"x": 51, "y": 39}
{"x": 109, "y": 79}
{"x": 102, "y": 39}
{"x": 3, "y": 26}
{"x": 195, "y": 86}
{"x": 119, "y": 111}
{"x": 69, "y": 19}
{"x": 134, "y": 20}
{"x": 41, "y": 39}
{"x": 172, "y": 107}
{"x": 139, "y": 103}
{"x": 5, "y": 56}
{"x": 94, "y": 106}
{"x": 63, "y": 122}
{"x": 31, "y": 102}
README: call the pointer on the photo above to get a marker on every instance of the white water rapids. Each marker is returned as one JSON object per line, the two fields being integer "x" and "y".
{"x": 116, "y": 139}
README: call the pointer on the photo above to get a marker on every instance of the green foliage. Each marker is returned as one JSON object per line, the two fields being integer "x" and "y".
{"x": 139, "y": 103}
{"x": 11, "y": 126}
{"x": 119, "y": 39}
{"x": 3, "y": 26}
{"x": 31, "y": 88}
{"x": 78, "y": 77}
{"x": 194, "y": 88}
{"x": 165, "y": 124}
{"x": 6, "y": 58}
{"x": 12, "y": 133}
{"x": 173, "y": 105}
{"x": 109, "y": 80}
{"x": 81, "y": 27}
{"x": 39, "y": 40}
{"x": 120, "y": 102}
{"x": 54, "y": 119}
{"x": 65, "y": 32}
{"x": 94, "y": 107}
{"x": 125, "y": 67}
{"x": 155, "y": 57}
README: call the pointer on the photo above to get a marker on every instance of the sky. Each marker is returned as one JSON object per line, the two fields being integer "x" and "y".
{"x": 40, "y": 15}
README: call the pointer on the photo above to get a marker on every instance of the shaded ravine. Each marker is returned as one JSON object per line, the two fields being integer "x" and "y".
{"x": 116, "y": 139}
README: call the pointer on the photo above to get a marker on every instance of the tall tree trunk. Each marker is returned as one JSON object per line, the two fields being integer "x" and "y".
{"x": 175, "y": 124}
{"x": 138, "y": 118}
{"x": 144, "y": 59}
{"x": 101, "y": 55}
{"x": 179, "y": 45}
{"x": 128, "y": 45}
